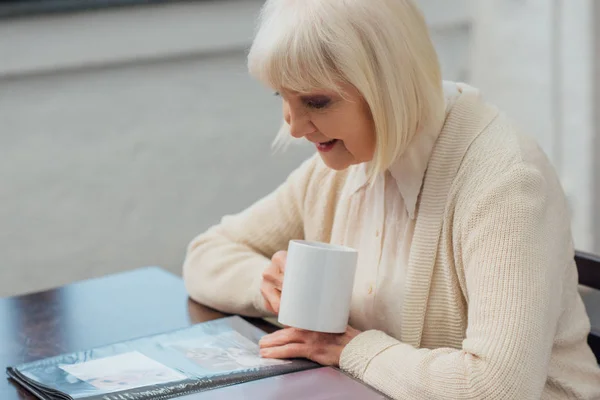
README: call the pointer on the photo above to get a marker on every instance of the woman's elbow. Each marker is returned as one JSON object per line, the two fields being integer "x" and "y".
{"x": 192, "y": 272}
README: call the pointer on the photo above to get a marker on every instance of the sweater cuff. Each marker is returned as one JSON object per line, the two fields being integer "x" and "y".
{"x": 358, "y": 354}
{"x": 258, "y": 301}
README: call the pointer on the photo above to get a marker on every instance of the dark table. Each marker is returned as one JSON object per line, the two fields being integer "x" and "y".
{"x": 94, "y": 313}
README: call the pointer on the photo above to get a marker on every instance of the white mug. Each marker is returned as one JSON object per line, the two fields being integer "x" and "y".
{"x": 317, "y": 286}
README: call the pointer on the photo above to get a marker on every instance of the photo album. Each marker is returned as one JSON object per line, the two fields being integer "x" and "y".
{"x": 202, "y": 357}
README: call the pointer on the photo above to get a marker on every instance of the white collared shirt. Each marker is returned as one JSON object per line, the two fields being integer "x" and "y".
{"x": 384, "y": 229}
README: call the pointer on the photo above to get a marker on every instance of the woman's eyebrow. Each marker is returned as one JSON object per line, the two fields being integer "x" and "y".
{"x": 307, "y": 97}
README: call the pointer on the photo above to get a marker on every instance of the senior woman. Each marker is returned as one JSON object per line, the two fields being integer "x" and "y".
{"x": 466, "y": 285}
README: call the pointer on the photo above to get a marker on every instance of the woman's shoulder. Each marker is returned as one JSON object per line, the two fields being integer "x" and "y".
{"x": 490, "y": 139}
{"x": 503, "y": 146}
{"x": 505, "y": 143}
{"x": 503, "y": 154}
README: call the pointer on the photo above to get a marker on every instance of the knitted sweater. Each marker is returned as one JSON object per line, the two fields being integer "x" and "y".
{"x": 491, "y": 308}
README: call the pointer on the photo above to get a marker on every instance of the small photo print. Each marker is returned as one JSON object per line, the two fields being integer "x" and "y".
{"x": 224, "y": 352}
{"x": 122, "y": 372}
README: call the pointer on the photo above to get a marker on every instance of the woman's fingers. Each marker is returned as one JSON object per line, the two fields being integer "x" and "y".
{"x": 272, "y": 297}
{"x": 274, "y": 273}
{"x": 292, "y": 350}
{"x": 278, "y": 260}
{"x": 283, "y": 337}
{"x": 272, "y": 281}
{"x": 272, "y": 276}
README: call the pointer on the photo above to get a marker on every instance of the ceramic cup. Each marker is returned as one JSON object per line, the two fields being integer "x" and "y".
{"x": 317, "y": 286}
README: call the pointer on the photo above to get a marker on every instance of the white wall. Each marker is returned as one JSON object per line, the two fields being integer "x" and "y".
{"x": 126, "y": 132}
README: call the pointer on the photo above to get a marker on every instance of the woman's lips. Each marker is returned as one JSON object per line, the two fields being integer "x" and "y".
{"x": 326, "y": 146}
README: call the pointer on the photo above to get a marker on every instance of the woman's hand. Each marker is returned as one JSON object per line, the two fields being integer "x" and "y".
{"x": 272, "y": 281}
{"x": 322, "y": 348}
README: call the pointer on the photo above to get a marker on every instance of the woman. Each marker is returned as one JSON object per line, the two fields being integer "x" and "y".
{"x": 466, "y": 285}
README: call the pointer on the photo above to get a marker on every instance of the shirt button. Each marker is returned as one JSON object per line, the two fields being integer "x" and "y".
{"x": 370, "y": 289}
{"x": 377, "y": 233}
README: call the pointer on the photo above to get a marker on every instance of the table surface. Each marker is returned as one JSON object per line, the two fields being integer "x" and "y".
{"x": 93, "y": 313}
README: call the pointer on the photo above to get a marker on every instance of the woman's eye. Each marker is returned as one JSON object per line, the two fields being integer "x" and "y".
{"x": 317, "y": 103}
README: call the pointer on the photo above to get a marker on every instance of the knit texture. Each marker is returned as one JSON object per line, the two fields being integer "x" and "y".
{"x": 491, "y": 308}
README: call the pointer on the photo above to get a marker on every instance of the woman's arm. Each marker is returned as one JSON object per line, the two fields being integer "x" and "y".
{"x": 223, "y": 266}
{"x": 514, "y": 244}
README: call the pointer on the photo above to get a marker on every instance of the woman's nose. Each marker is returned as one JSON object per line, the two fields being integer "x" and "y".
{"x": 299, "y": 122}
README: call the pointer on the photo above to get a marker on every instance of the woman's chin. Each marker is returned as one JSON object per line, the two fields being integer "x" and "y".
{"x": 335, "y": 163}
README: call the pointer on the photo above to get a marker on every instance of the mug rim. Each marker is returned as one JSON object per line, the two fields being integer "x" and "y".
{"x": 323, "y": 246}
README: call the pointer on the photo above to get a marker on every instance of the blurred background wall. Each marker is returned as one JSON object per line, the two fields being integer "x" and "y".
{"x": 126, "y": 131}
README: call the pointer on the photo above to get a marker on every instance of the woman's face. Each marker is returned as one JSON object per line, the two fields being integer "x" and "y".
{"x": 341, "y": 128}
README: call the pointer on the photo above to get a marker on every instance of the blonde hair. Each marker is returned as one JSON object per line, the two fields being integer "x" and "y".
{"x": 381, "y": 47}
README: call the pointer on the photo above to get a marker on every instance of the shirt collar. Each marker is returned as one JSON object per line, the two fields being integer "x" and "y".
{"x": 409, "y": 169}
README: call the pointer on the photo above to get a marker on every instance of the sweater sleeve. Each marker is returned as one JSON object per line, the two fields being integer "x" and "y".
{"x": 513, "y": 243}
{"x": 223, "y": 266}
